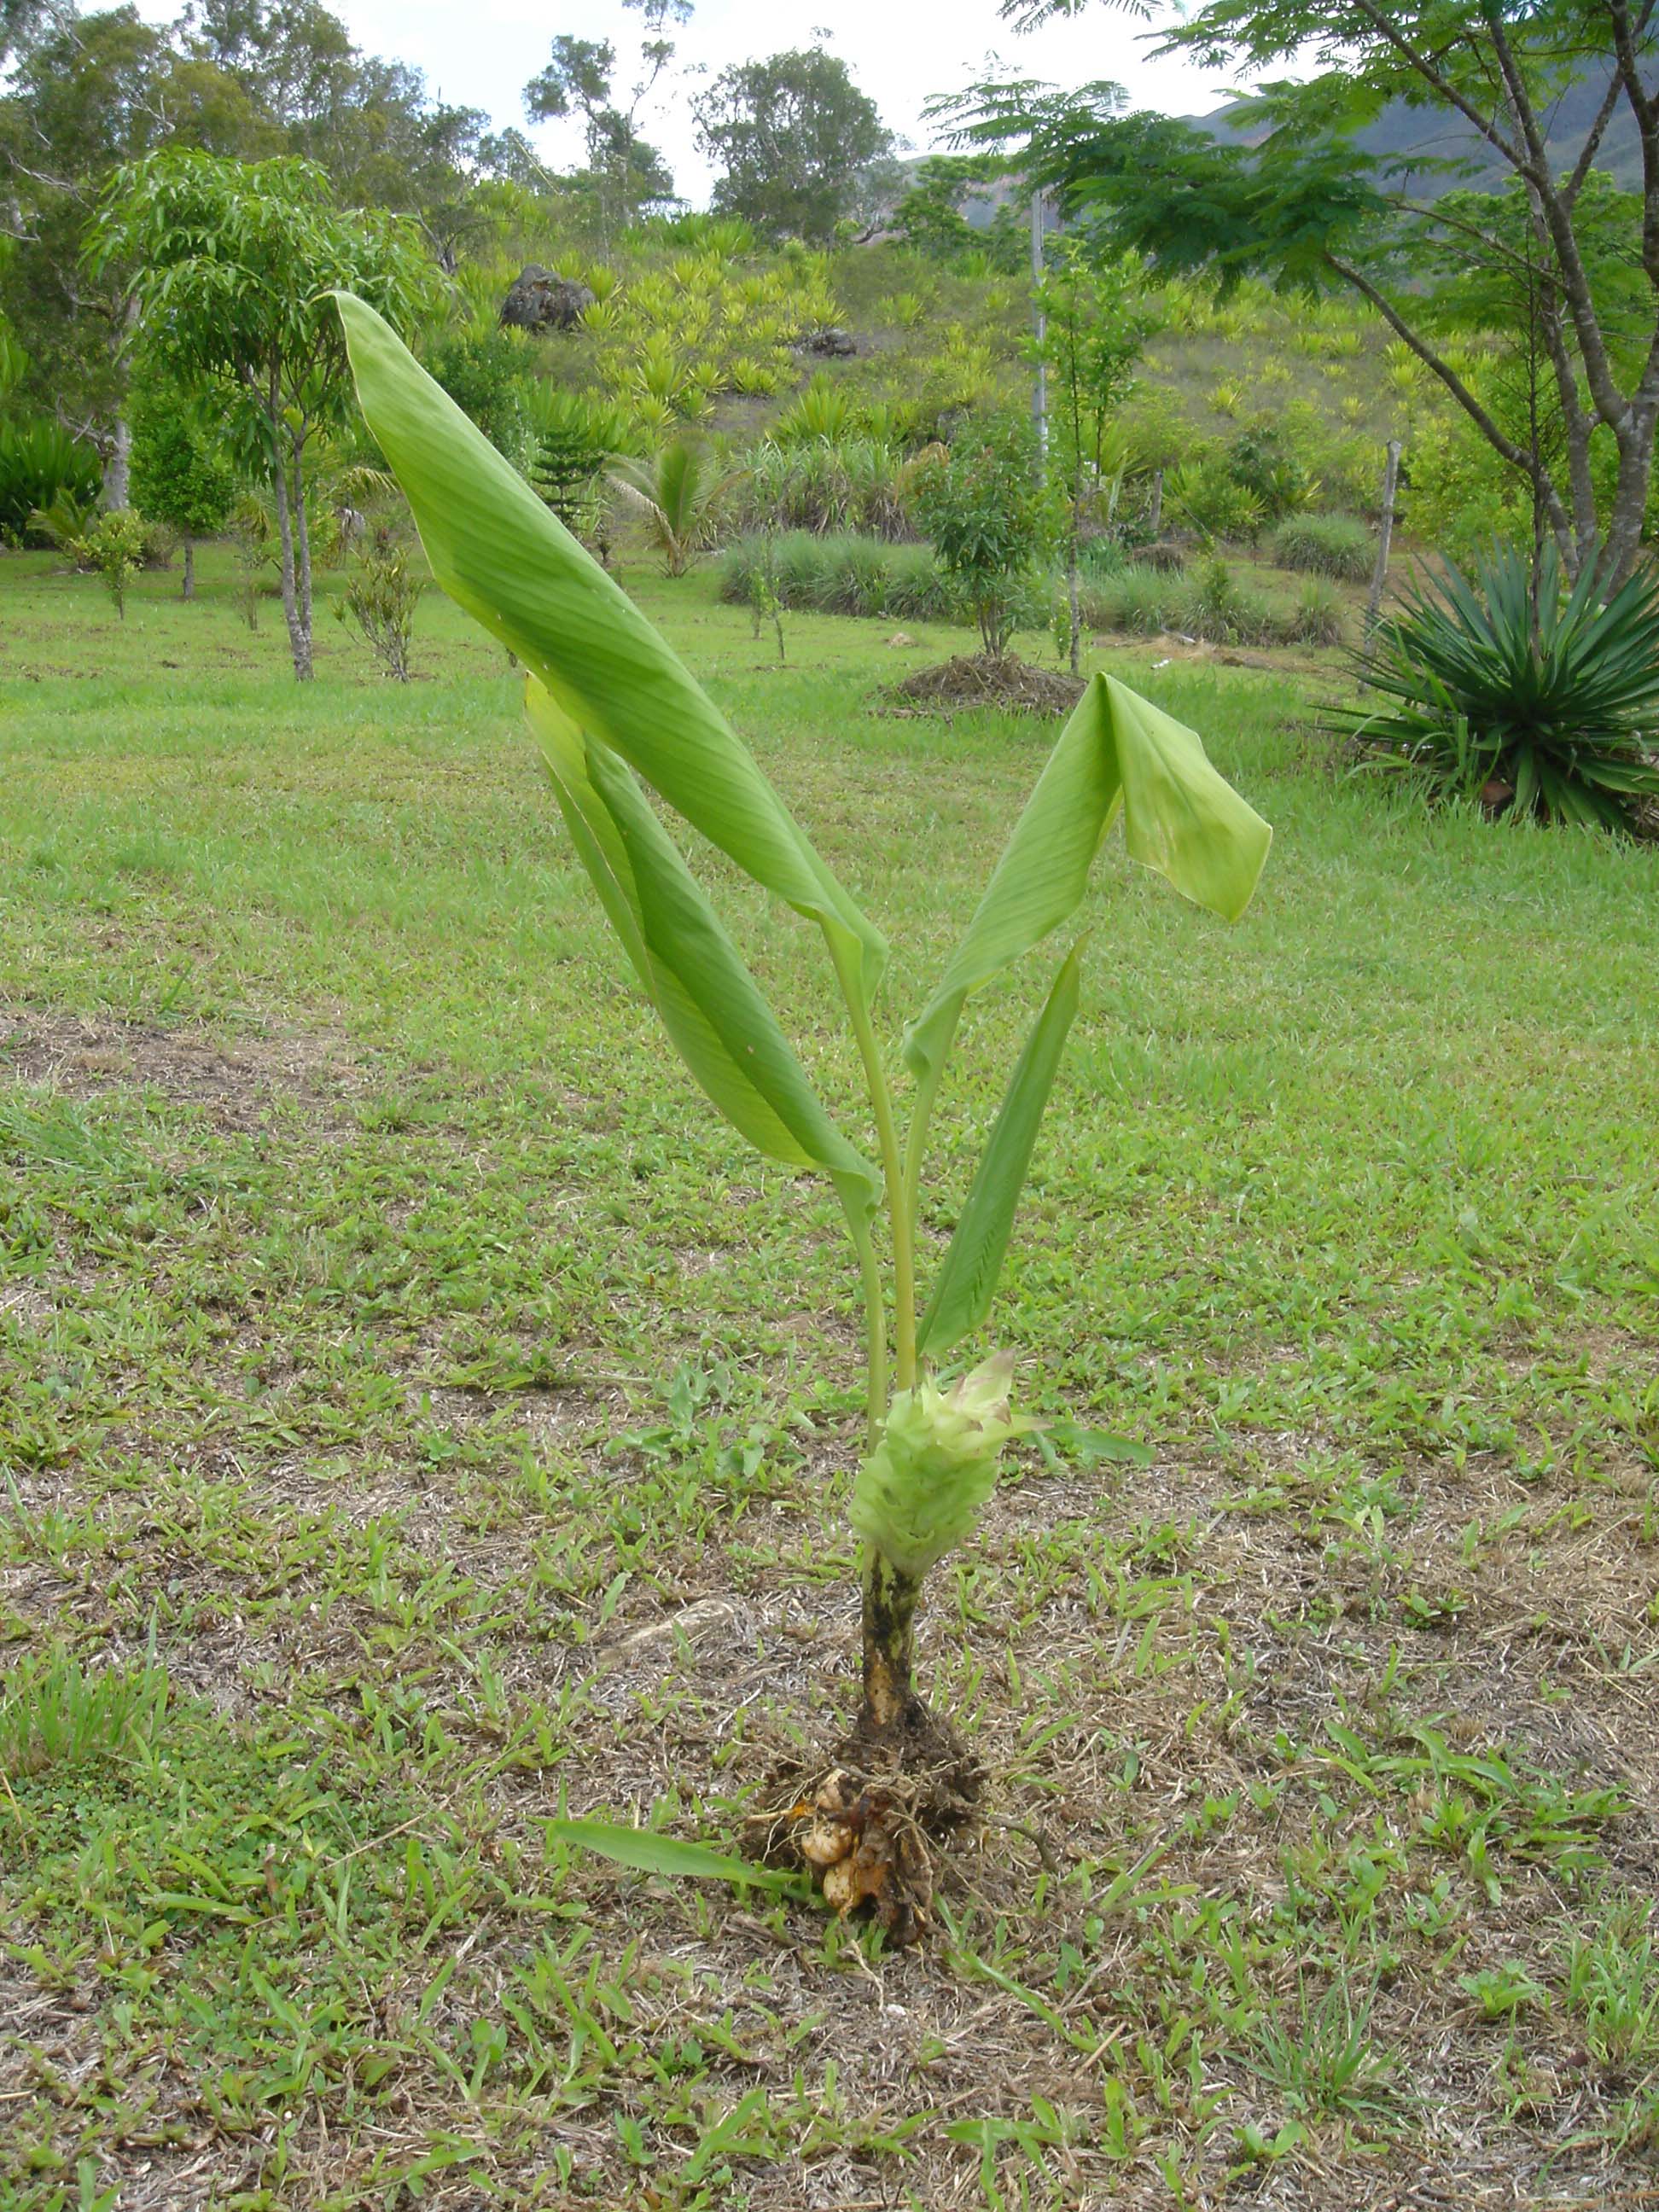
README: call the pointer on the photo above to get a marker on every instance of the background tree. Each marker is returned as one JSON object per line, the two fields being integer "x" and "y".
{"x": 624, "y": 174}
{"x": 1096, "y": 320}
{"x": 179, "y": 477}
{"x": 1302, "y": 201}
{"x": 87, "y": 94}
{"x": 799, "y": 147}
{"x": 228, "y": 263}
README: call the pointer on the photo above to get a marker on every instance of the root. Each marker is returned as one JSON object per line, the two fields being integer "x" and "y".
{"x": 868, "y": 1826}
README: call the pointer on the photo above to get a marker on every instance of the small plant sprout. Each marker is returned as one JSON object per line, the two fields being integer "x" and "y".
{"x": 614, "y": 712}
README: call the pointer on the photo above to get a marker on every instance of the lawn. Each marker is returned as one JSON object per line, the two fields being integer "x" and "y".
{"x": 420, "y": 1416}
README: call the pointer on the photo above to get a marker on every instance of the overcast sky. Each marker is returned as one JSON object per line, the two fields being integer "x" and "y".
{"x": 479, "y": 53}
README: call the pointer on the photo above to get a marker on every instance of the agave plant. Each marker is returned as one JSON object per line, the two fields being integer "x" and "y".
{"x": 616, "y": 715}
{"x": 1510, "y": 690}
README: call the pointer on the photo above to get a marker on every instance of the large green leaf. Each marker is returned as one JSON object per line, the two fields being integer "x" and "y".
{"x": 968, "y": 1279}
{"x": 708, "y": 1001}
{"x": 497, "y": 551}
{"x": 1180, "y": 817}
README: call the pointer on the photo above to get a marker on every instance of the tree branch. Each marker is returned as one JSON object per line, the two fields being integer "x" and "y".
{"x": 1517, "y": 456}
{"x": 1391, "y": 33}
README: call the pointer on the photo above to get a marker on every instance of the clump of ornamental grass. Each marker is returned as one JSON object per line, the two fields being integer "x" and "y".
{"x": 615, "y": 715}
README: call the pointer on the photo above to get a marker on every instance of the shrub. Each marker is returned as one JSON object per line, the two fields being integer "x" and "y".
{"x": 1205, "y": 496}
{"x": 822, "y": 410}
{"x": 113, "y": 547}
{"x": 986, "y": 510}
{"x": 1137, "y": 598}
{"x": 484, "y": 374}
{"x": 38, "y": 461}
{"x": 838, "y": 573}
{"x": 1216, "y": 606}
{"x": 381, "y": 599}
{"x": 1326, "y": 546}
{"x": 918, "y": 590}
{"x": 825, "y": 484}
{"x": 1260, "y": 461}
{"x": 1319, "y": 618}
{"x": 1542, "y": 704}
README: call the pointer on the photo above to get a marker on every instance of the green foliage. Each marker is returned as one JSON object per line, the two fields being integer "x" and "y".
{"x": 854, "y": 483}
{"x": 991, "y": 521}
{"x": 1339, "y": 545}
{"x": 572, "y": 438}
{"x": 1320, "y": 617}
{"x": 115, "y": 547}
{"x": 679, "y": 494}
{"x": 1133, "y": 598}
{"x": 1207, "y": 497}
{"x": 1260, "y": 461}
{"x": 484, "y": 374}
{"x": 1528, "y": 698}
{"x": 381, "y": 599}
{"x": 839, "y": 572}
{"x": 179, "y": 476}
{"x": 797, "y": 146}
{"x": 824, "y": 410}
{"x": 1215, "y": 605}
{"x": 39, "y": 463}
{"x": 228, "y": 264}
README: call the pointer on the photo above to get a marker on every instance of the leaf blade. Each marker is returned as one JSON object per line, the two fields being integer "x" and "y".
{"x": 967, "y": 1279}
{"x": 644, "y": 1851}
{"x": 1117, "y": 752}
{"x": 694, "y": 974}
{"x": 498, "y": 552}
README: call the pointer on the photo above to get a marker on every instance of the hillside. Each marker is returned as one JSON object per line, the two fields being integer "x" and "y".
{"x": 1415, "y": 141}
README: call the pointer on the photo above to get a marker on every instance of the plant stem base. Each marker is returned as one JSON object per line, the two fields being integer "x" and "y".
{"x": 868, "y": 1824}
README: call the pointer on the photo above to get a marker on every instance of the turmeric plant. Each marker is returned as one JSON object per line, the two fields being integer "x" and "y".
{"x": 614, "y": 713}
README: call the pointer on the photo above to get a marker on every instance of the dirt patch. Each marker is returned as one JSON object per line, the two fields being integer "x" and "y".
{"x": 234, "y": 1085}
{"x": 984, "y": 679}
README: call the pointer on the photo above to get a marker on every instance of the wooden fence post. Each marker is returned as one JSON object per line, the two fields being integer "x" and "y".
{"x": 1384, "y": 536}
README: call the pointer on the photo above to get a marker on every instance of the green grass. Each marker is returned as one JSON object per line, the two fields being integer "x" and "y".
{"x": 420, "y": 1418}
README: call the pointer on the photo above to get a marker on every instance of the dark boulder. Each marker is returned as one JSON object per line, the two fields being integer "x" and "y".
{"x": 541, "y": 300}
{"x": 834, "y": 345}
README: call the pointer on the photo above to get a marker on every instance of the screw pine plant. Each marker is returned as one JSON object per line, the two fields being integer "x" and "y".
{"x": 614, "y": 712}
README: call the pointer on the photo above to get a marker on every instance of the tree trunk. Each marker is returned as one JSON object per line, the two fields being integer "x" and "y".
{"x": 1155, "y": 511}
{"x": 118, "y": 468}
{"x": 190, "y": 568}
{"x": 299, "y": 625}
{"x": 1072, "y": 599}
{"x": 1384, "y": 535}
{"x": 889, "y": 1640}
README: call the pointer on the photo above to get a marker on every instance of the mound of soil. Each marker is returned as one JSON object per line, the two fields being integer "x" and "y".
{"x": 985, "y": 679}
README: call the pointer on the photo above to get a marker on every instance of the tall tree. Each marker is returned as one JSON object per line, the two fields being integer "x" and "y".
{"x": 228, "y": 265}
{"x": 623, "y": 172}
{"x": 799, "y": 148}
{"x": 1292, "y": 194}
